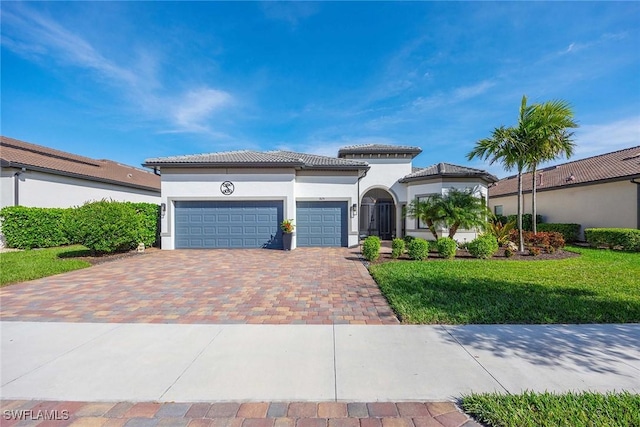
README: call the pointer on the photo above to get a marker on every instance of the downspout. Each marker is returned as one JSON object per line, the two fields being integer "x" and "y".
{"x": 16, "y": 186}
{"x": 637, "y": 202}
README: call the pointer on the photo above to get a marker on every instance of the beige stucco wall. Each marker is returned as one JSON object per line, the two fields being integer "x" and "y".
{"x": 612, "y": 204}
{"x": 45, "y": 190}
{"x": 423, "y": 188}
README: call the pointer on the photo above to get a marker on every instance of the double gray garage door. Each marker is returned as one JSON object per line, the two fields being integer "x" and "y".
{"x": 255, "y": 224}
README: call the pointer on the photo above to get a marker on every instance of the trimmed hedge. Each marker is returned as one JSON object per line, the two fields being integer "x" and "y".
{"x": 371, "y": 248}
{"x": 447, "y": 247}
{"x": 150, "y": 218}
{"x": 527, "y": 224}
{"x": 483, "y": 246}
{"x": 570, "y": 232}
{"x": 397, "y": 248}
{"x": 106, "y": 226}
{"x": 627, "y": 239}
{"x": 28, "y": 228}
{"x": 418, "y": 249}
{"x": 101, "y": 230}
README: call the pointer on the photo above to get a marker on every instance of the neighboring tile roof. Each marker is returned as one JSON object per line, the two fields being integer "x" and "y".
{"x": 16, "y": 153}
{"x": 448, "y": 170}
{"x": 246, "y": 158}
{"x": 379, "y": 149}
{"x": 619, "y": 165}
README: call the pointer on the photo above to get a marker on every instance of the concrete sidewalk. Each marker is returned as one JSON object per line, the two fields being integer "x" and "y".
{"x": 347, "y": 363}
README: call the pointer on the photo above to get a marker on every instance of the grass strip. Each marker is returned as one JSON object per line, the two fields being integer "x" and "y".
{"x": 36, "y": 263}
{"x": 530, "y": 409}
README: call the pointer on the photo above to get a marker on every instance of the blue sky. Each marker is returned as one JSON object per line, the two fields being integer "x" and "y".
{"x": 132, "y": 80}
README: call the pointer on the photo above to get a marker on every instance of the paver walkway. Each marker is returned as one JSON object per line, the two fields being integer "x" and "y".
{"x": 232, "y": 414}
{"x": 304, "y": 286}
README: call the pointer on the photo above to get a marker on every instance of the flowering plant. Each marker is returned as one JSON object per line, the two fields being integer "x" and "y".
{"x": 287, "y": 226}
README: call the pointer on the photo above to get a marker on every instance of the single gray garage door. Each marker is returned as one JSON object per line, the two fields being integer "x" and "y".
{"x": 228, "y": 224}
{"x": 321, "y": 223}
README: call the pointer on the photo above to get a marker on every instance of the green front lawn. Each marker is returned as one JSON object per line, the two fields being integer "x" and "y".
{"x": 600, "y": 286}
{"x": 546, "y": 409}
{"x": 37, "y": 263}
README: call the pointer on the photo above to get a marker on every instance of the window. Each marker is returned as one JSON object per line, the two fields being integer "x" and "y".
{"x": 421, "y": 225}
{"x": 498, "y": 210}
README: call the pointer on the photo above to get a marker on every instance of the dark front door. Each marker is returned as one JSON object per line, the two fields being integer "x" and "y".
{"x": 386, "y": 220}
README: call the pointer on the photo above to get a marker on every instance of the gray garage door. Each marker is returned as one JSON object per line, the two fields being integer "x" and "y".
{"x": 228, "y": 224}
{"x": 321, "y": 223}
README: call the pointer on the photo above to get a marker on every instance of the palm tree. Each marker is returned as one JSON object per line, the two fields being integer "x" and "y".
{"x": 506, "y": 145}
{"x": 548, "y": 139}
{"x": 463, "y": 209}
{"x": 427, "y": 210}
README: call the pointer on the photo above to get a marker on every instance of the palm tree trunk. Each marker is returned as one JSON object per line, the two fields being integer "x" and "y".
{"x": 534, "y": 227}
{"x": 432, "y": 229}
{"x": 520, "y": 237}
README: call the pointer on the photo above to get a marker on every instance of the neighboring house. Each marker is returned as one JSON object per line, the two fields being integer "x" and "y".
{"x": 599, "y": 191}
{"x": 37, "y": 176}
{"x": 238, "y": 199}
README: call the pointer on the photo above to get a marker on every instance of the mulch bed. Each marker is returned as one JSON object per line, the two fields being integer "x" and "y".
{"x": 101, "y": 259}
{"x": 463, "y": 254}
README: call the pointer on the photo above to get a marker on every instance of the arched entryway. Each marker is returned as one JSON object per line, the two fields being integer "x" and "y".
{"x": 378, "y": 214}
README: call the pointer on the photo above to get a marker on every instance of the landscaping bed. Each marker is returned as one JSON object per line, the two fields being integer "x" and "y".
{"x": 599, "y": 286}
{"x": 463, "y": 254}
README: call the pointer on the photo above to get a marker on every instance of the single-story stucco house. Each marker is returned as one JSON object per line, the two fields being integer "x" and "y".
{"x": 238, "y": 198}
{"x": 36, "y": 176}
{"x": 599, "y": 191}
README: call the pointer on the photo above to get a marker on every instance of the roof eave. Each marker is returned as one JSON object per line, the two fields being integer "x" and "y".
{"x": 570, "y": 185}
{"x": 152, "y": 164}
{"x": 484, "y": 176}
{"x": 8, "y": 164}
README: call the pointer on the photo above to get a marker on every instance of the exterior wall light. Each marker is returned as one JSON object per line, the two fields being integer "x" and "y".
{"x": 354, "y": 210}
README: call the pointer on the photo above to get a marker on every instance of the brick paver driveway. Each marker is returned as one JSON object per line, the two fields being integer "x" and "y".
{"x": 306, "y": 286}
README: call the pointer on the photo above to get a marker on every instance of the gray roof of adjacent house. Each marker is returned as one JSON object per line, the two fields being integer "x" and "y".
{"x": 450, "y": 171}
{"x": 247, "y": 158}
{"x": 379, "y": 149}
{"x": 616, "y": 166}
{"x": 19, "y": 154}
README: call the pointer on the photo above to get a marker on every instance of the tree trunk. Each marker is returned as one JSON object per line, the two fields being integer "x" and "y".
{"x": 432, "y": 228}
{"x": 534, "y": 227}
{"x": 520, "y": 238}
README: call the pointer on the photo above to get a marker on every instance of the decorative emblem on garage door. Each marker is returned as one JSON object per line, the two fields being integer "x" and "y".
{"x": 227, "y": 188}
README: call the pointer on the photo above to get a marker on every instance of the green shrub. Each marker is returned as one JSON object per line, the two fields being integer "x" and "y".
{"x": 27, "y": 228}
{"x": 106, "y": 226}
{"x": 150, "y": 222}
{"x": 418, "y": 249}
{"x": 483, "y": 246}
{"x": 543, "y": 239}
{"x": 627, "y": 239}
{"x": 446, "y": 247}
{"x": 569, "y": 232}
{"x": 397, "y": 248}
{"x": 508, "y": 252}
{"x": 407, "y": 239}
{"x": 501, "y": 231}
{"x": 527, "y": 224}
{"x": 371, "y": 248}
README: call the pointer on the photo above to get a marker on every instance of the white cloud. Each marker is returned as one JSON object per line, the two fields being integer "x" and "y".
{"x": 291, "y": 12}
{"x": 39, "y": 38}
{"x": 196, "y": 106}
{"x": 593, "y": 139}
